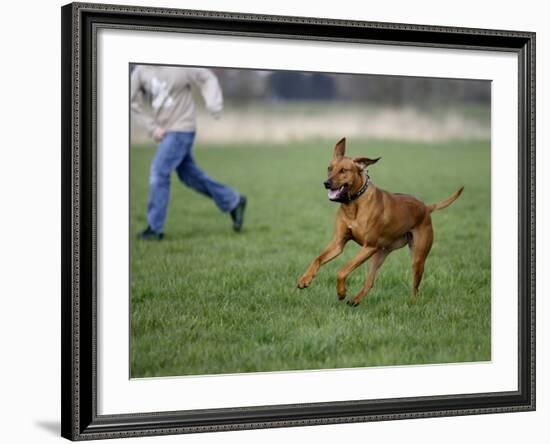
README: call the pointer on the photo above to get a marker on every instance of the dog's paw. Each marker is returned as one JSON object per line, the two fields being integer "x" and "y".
{"x": 303, "y": 283}
{"x": 341, "y": 289}
{"x": 353, "y": 302}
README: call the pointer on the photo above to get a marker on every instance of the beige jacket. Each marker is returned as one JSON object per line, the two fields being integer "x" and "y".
{"x": 172, "y": 106}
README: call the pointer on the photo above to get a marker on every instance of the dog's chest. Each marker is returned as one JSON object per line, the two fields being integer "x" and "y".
{"x": 360, "y": 226}
{"x": 358, "y": 232}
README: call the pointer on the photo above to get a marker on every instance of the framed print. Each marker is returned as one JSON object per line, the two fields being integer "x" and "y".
{"x": 280, "y": 221}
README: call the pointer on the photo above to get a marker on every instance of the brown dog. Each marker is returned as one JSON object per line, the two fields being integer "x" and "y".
{"x": 378, "y": 220}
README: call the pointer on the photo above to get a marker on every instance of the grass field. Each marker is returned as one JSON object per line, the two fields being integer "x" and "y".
{"x": 207, "y": 301}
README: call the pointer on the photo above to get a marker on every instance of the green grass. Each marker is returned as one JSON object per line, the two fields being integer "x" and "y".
{"x": 207, "y": 301}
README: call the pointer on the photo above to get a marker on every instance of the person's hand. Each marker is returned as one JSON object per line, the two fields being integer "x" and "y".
{"x": 158, "y": 134}
{"x": 216, "y": 114}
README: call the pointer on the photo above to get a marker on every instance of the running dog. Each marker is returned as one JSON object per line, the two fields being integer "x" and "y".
{"x": 379, "y": 221}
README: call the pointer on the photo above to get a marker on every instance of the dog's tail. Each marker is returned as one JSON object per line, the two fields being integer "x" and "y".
{"x": 445, "y": 203}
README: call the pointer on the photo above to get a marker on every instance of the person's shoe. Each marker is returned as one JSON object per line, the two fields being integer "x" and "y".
{"x": 237, "y": 214}
{"x": 150, "y": 234}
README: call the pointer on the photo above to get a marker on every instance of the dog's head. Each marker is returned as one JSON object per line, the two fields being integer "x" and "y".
{"x": 345, "y": 174}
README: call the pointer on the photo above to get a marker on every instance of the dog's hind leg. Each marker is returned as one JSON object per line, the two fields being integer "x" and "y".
{"x": 421, "y": 245}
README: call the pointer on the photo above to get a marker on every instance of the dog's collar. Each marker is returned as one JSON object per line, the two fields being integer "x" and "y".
{"x": 361, "y": 190}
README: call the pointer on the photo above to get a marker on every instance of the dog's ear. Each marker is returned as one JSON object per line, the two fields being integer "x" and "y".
{"x": 364, "y": 162}
{"x": 340, "y": 148}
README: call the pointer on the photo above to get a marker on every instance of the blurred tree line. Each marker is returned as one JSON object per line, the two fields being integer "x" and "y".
{"x": 245, "y": 85}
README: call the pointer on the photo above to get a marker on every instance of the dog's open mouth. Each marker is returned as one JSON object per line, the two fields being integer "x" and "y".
{"x": 338, "y": 194}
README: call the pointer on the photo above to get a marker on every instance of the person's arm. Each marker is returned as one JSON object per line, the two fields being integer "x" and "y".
{"x": 210, "y": 90}
{"x": 137, "y": 105}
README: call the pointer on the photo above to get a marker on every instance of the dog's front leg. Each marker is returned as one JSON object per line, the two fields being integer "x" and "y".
{"x": 333, "y": 249}
{"x": 364, "y": 254}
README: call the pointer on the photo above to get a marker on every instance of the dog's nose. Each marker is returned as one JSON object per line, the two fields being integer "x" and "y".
{"x": 327, "y": 183}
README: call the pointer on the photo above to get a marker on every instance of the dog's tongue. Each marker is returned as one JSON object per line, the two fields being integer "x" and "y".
{"x": 333, "y": 194}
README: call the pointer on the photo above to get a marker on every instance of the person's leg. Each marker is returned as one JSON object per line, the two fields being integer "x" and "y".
{"x": 169, "y": 154}
{"x": 225, "y": 198}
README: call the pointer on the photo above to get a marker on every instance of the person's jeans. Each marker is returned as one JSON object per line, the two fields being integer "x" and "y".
{"x": 174, "y": 153}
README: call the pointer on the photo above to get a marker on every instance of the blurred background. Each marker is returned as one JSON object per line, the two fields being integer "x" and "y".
{"x": 286, "y": 106}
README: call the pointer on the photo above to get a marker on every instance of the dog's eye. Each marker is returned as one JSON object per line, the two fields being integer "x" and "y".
{"x": 329, "y": 169}
{"x": 343, "y": 170}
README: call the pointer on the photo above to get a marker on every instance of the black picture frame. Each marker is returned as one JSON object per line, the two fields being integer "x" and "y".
{"x": 80, "y": 22}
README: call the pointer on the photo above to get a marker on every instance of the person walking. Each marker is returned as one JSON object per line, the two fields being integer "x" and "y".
{"x": 171, "y": 121}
